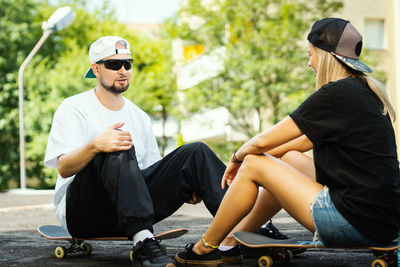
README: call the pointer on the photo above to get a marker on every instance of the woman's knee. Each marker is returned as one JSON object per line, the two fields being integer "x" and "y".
{"x": 291, "y": 156}
{"x": 252, "y": 165}
{"x": 300, "y": 162}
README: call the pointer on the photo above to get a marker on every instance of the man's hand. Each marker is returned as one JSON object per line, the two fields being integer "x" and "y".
{"x": 113, "y": 139}
{"x": 195, "y": 199}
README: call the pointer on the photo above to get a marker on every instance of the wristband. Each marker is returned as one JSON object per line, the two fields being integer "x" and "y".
{"x": 235, "y": 159}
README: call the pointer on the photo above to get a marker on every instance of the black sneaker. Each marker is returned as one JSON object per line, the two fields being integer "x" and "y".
{"x": 232, "y": 256}
{"x": 148, "y": 253}
{"x": 271, "y": 231}
{"x": 189, "y": 258}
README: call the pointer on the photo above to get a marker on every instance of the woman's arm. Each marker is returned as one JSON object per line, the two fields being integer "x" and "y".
{"x": 277, "y": 139}
{"x": 301, "y": 144}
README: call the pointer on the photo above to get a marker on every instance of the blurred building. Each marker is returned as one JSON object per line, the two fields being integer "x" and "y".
{"x": 379, "y": 24}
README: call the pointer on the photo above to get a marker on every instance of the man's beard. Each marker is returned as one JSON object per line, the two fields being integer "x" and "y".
{"x": 113, "y": 89}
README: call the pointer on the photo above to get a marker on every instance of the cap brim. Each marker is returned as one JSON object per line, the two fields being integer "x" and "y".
{"x": 90, "y": 74}
{"x": 353, "y": 63}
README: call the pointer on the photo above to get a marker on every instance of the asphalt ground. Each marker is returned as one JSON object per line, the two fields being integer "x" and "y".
{"x": 21, "y": 212}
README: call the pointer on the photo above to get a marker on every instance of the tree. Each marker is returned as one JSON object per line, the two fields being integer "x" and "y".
{"x": 18, "y": 33}
{"x": 265, "y": 71}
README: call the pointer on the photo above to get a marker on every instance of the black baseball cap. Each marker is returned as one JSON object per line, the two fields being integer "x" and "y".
{"x": 341, "y": 39}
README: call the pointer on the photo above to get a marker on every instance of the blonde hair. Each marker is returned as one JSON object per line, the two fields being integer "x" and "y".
{"x": 330, "y": 69}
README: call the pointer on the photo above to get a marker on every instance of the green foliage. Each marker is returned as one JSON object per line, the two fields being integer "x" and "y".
{"x": 266, "y": 56}
{"x": 17, "y": 34}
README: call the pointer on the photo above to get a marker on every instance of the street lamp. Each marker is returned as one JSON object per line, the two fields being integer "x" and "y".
{"x": 60, "y": 19}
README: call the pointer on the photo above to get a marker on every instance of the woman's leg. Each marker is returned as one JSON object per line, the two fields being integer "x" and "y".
{"x": 267, "y": 205}
{"x": 300, "y": 162}
{"x": 288, "y": 188}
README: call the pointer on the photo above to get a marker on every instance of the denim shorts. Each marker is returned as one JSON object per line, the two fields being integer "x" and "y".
{"x": 331, "y": 228}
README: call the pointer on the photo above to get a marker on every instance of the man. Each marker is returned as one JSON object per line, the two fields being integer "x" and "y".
{"x": 111, "y": 178}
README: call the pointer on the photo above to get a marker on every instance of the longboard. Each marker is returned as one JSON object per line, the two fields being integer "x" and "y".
{"x": 77, "y": 244}
{"x": 279, "y": 250}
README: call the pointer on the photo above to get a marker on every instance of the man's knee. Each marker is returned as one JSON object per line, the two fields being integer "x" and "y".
{"x": 195, "y": 147}
{"x": 104, "y": 160}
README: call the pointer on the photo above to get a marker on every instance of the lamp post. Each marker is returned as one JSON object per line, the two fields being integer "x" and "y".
{"x": 60, "y": 19}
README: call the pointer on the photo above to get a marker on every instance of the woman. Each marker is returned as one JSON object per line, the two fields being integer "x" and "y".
{"x": 349, "y": 194}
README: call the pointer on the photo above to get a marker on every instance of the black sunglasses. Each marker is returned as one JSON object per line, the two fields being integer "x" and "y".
{"x": 116, "y": 64}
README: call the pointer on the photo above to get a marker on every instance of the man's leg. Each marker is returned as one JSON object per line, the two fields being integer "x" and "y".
{"x": 109, "y": 197}
{"x": 190, "y": 168}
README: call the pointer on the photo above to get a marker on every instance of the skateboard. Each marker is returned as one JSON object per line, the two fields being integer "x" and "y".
{"x": 78, "y": 244}
{"x": 279, "y": 250}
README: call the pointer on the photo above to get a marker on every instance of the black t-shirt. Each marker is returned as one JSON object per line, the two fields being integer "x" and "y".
{"x": 355, "y": 155}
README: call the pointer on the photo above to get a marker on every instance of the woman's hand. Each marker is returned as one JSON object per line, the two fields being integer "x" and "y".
{"x": 230, "y": 173}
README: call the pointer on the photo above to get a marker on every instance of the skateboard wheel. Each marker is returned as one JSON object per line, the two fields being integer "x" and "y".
{"x": 163, "y": 248}
{"x": 131, "y": 255}
{"x": 87, "y": 248}
{"x": 288, "y": 256}
{"x": 378, "y": 263}
{"x": 59, "y": 252}
{"x": 265, "y": 261}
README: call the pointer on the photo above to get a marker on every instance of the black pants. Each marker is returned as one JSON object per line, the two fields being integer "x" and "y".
{"x": 113, "y": 197}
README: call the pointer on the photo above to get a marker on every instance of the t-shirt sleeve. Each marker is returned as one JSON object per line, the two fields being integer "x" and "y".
{"x": 152, "y": 150}
{"x": 64, "y": 137}
{"x": 318, "y": 117}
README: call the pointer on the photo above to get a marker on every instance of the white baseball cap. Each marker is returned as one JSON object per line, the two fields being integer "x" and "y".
{"x": 105, "y": 47}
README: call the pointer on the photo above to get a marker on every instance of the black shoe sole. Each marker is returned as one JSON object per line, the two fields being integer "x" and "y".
{"x": 232, "y": 259}
{"x": 210, "y": 263}
{"x": 138, "y": 264}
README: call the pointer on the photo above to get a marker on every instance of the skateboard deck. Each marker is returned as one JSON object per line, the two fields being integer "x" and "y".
{"x": 279, "y": 250}
{"x": 77, "y": 244}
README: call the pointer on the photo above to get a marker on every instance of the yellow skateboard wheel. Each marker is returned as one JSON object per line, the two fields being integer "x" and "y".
{"x": 265, "y": 261}
{"x": 59, "y": 252}
{"x": 87, "y": 248}
{"x": 378, "y": 263}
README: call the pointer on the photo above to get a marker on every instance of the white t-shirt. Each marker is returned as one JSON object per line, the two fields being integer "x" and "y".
{"x": 82, "y": 117}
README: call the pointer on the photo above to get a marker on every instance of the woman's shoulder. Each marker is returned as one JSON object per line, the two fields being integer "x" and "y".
{"x": 347, "y": 83}
{"x": 349, "y": 86}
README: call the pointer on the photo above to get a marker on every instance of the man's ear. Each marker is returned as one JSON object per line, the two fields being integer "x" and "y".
{"x": 95, "y": 69}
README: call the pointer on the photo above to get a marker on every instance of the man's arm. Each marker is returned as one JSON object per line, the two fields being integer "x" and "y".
{"x": 110, "y": 140}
